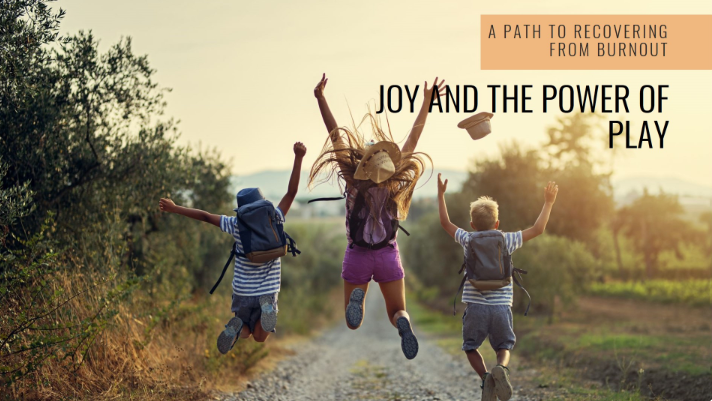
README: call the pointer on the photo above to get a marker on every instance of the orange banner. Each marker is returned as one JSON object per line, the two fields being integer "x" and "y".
{"x": 596, "y": 42}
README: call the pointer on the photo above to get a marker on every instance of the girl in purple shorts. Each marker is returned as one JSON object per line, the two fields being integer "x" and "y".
{"x": 379, "y": 179}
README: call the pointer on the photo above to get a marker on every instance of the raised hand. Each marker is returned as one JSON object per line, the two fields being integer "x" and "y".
{"x": 428, "y": 93}
{"x": 299, "y": 149}
{"x": 166, "y": 205}
{"x": 319, "y": 89}
{"x": 442, "y": 186}
{"x": 550, "y": 192}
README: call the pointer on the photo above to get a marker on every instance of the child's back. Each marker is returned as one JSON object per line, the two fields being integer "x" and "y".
{"x": 487, "y": 293}
{"x": 492, "y": 291}
{"x": 257, "y": 272}
{"x": 250, "y": 278}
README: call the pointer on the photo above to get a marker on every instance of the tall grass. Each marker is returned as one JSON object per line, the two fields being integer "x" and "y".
{"x": 71, "y": 329}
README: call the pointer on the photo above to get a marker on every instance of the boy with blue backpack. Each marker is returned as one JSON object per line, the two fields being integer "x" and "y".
{"x": 260, "y": 241}
{"x": 488, "y": 290}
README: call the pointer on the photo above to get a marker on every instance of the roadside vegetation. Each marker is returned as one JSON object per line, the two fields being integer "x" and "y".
{"x": 101, "y": 295}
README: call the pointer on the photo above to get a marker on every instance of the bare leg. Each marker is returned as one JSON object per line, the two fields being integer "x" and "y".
{"x": 477, "y": 362}
{"x": 503, "y": 357}
{"x": 394, "y": 295}
{"x": 260, "y": 335}
{"x": 245, "y": 333}
{"x": 348, "y": 288}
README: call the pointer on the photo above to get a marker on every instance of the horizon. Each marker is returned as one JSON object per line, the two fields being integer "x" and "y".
{"x": 614, "y": 177}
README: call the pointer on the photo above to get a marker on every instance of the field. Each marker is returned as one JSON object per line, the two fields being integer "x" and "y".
{"x": 605, "y": 349}
{"x": 687, "y": 292}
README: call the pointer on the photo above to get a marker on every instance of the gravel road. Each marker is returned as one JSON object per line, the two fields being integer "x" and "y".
{"x": 342, "y": 364}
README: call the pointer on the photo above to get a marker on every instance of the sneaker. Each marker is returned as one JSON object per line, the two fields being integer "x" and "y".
{"x": 227, "y": 339}
{"x": 409, "y": 344}
{"x": 354, "y": 310}
{"x": 268, "y": 319}
{"x": 502, "y": 386}
{"x": 488, "y": 388}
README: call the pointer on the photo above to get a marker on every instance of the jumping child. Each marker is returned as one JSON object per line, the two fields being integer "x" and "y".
{"x": 379, "y": 182}
{"x": 254, "y": 285}
{"x": 488, "y": 312}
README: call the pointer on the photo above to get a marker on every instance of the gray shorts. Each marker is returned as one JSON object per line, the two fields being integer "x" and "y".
{"x": 248, "y": 309}
{"x": 480, "y": 321}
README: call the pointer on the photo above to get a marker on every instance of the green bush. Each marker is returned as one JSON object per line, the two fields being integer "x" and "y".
{"x": 559, "y": 268}
{"x": 318, "y": 267}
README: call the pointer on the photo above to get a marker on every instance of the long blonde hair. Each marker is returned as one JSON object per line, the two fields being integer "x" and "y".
{"x": 342, "y": 163}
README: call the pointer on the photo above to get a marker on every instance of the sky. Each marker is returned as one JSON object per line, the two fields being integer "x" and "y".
{"x": 242, "y": 75}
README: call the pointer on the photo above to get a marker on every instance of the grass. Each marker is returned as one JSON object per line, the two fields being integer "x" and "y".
{"x": 140, "y": 355}
{"x": 673, "y": 354}
{"x": 561, "y": 361}
{"x": 629, "y": 346}
{"x": 687, "y": 292}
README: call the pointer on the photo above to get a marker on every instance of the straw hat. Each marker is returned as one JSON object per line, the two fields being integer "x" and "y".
{"x": 379, "y": 162}
{"x": 478, "y": 126}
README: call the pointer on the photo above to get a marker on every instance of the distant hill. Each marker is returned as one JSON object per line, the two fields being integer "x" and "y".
{"x": 654, "y": 184}
{"x": 274, "y": 184}
{"x": 691, "y": 195}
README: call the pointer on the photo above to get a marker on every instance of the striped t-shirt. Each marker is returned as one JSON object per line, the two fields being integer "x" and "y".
{"x": 252, "y": 279}
{"x": 500, "y": 296}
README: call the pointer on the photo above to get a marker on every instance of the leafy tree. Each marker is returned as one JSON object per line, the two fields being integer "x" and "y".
{"x": 584, "y": 204}
{"x": 654, "y": 223}
{"x": 512, "y": 180}
{"x": 574, "y": 139}
{"x": 83, "y": 130}
{"x": 84, "y": 156}
{"x": 586, "y": 200}
{"x": 15, "y": 203}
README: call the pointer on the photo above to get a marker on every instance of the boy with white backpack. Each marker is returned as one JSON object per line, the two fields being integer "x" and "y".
{"x": 488, "y": 285}
{"x": 260, "y": 241}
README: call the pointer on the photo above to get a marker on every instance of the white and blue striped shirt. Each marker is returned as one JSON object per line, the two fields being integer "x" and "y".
{"x": 500, "y": 296}
{"x": 252, "y": 279}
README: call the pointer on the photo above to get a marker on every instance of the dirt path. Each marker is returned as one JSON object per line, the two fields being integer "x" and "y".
{"x": 365, "y": 364}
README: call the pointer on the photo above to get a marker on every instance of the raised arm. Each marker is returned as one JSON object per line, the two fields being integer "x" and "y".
{"x": 442, "y": 207}
{"x": 167, "y": 205}
{"x": 329, "y": 120}
{"x": 538, "y": 228}
{"x": 419, "y": 124}
{"x": 299, "y": 151}
{"x": 326, "y": 115}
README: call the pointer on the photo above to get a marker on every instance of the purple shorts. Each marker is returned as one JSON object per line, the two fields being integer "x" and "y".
{"x": 362, "y": 264}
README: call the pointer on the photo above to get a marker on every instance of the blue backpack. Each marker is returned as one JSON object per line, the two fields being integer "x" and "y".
{"x": 263, "y": 239}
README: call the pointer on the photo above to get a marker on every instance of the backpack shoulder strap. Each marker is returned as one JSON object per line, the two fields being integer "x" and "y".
{"x": 329, "y": 199}
{"x": 459, "y": 289}
{"x": 462, "y": 284}
{"x": 292, "y": 245}
{"x": 232, "y": 254}
{"x": 514, "y": 278}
